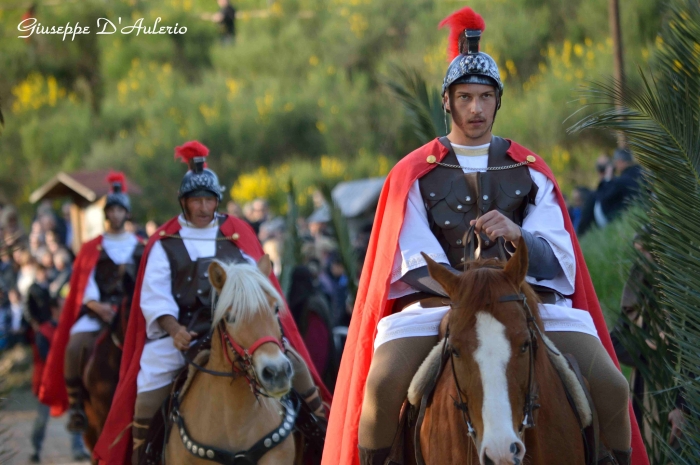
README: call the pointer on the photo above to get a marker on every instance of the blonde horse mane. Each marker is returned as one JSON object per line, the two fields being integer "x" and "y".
{"x": 246, "y": 292}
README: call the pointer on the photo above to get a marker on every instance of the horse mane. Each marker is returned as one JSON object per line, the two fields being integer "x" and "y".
{"x": 245, "y": 293}
{"x": 478, "y": 288}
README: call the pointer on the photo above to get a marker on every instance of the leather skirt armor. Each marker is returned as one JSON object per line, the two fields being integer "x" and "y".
{"x": 191, "y": 287}
{"x": 453, "y": 198}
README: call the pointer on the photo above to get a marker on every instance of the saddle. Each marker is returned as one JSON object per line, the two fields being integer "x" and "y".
{"x": 407, "y": 448}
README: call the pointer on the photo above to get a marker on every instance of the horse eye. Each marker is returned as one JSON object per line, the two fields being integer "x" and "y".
{"x": 524, "y": 348}
{"x": 455, "y": 352}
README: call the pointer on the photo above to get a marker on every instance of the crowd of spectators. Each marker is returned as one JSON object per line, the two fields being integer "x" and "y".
{"x": 35, "y": 269}
{"x": 619, "y": 180}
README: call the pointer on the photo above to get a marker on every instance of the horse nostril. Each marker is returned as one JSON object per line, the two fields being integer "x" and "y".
{"x": 288, "y": 369}
{"x": 515, "y": 448}
{"x": 268, "y": 373}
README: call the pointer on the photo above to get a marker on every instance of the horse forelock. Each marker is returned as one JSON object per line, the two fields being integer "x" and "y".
{"x": 245, "y": 293}
{"x": 482, "y": 284}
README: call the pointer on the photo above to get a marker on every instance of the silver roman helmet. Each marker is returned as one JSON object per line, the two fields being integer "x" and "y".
{"x": 469, "y": 65}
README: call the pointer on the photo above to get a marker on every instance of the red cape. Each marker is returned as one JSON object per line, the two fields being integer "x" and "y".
{"x": 111, "y": 449}
{"x": 52, "y": 391}
{"x": 371, "y": 303}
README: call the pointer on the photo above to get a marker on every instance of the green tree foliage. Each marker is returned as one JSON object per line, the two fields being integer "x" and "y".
{"x": 662, "y": 124}
{"x": 304, "y": 79}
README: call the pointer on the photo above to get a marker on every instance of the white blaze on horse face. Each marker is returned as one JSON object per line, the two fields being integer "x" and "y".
{"x": 492, "y": 356}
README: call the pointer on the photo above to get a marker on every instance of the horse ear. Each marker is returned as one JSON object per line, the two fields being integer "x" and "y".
{"x": 516, "y": 268}
{"x": 217, "y": 275}
{"x": 447, "y": 279}
{"x": 265, "y": 265}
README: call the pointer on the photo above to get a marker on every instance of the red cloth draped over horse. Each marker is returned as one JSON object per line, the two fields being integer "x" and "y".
{"x": 52, "y": 391}
{"x": 371, "y": 304}
{"x": 114, "y": 446}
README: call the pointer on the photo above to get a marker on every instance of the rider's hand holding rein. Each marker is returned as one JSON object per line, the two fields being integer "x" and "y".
{"x": 103, "y": 310}
{"x": 496, "y": 225}
{"x": 181, "y": 337}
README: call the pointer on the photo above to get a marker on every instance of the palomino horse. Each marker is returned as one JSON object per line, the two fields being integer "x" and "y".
{"x": 497, "y": 381}
{"x": 101, "y": 374}
{"x": 240, "y": 410}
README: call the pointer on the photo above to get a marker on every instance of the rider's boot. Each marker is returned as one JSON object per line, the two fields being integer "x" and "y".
{"x": 312, "y": 398}
{"x": 617, "y": 457}
{"x": 374, "y": 456}
{"x": 623, "y": 457}
{"x": 139, "y": 432}
{"x": 77, "y": 420}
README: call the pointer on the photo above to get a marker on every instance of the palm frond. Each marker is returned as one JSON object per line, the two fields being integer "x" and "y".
{"x": 661, "y": 121}
{"x": 342, "y": 236}
{"x": 422, "y": 102}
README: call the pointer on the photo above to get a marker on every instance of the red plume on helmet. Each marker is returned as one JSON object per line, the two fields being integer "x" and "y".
{"x": 116, "y": 177}
{"x": 188, "y": 151}
{"x": 458, "y": 22}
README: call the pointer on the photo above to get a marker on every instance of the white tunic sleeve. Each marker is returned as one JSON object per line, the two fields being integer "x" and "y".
{"x": 92, "y": 292}
{"x": 415, "y": 237}
{"x": 156, "y": 292}
{"x": 545, "y": 220}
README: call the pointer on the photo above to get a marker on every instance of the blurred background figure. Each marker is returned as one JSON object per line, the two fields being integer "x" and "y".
{"x": 311, "y": 312}
{"x": 226, "y": 18}
{"x": 151, "y": 227}
{"x": 579, "y": 197}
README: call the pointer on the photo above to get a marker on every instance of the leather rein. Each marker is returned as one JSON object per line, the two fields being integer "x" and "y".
{"x": 531, "y": 397}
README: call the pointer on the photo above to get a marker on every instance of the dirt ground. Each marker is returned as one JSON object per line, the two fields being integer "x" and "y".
{"x": 18, "y": 415}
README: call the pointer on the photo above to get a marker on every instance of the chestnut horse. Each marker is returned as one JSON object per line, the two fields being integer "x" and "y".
{"x": 235, "y": 403}
{"x": 498, "y": 381}
{"x": 101, "y": 374}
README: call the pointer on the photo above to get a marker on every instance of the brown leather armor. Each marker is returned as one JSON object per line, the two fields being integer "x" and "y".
{"x": 452, "y": 201}
{"x": 190, "y": 280}
{"x": 117, "y": 281}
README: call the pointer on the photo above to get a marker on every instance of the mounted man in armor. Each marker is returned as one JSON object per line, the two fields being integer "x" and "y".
{"x": 101, "y": 285}
{"x": 172, "y": 308}
{"x": 431, "y": 199}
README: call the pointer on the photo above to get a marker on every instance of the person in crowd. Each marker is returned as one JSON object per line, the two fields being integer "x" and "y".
{"x": 579, "y": 196}
{"x": 226, "y": 18}
{"x": 151, "y": 227}
{"x": 258, "y": 213}
{"x": 603, "y": 166}
{"x": 615, "y": 192}
{"x": 233, "y": 209}
{"x": 335, "y": 270}
{"x": 26, "y": 270}
{"x": 63, "y": 264}
{"x": 13, "y": 233}
{"x": 312, "y": 315}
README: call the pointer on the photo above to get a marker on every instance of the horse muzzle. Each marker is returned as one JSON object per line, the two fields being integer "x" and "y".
{"x": 503, "y": 454}
{"x": 275, "y": 375}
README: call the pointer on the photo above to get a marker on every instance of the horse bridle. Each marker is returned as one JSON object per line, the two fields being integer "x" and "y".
{"x": 242, "y": 365}
{"x": 531, "y": 396}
